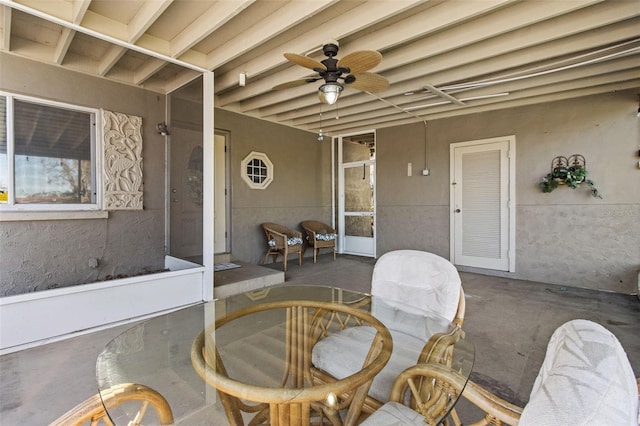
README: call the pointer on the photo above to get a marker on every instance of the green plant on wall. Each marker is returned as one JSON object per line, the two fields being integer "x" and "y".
{"x": 571, "y": 172}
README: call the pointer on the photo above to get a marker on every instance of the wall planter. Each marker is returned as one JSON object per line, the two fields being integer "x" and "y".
{"x": 571, "y": 172}
{"x": 32, "y": 319}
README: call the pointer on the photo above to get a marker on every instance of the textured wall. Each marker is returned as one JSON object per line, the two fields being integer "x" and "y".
{"x": 301, "y": 187}
{"x": 45, "y": 254}
{"x": 566, "y": 237}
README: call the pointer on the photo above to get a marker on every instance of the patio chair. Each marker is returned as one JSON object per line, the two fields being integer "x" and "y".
{"x": 92, "y": 410}
{"x": 585, "y": 379}
{"x": 412, "y": 284}
{"x": 320, "y": 236}
{"x": 282, "y": 240}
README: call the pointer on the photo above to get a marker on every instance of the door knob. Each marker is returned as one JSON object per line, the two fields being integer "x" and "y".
{"x": 457, "y": 210}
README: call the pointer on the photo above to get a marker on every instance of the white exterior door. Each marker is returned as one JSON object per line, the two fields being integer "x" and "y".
{"x": 357, "y": 195}
{"x": 483, "y": 203}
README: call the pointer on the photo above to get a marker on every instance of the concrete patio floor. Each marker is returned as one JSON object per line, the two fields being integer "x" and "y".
{"x": 509, "y": 322}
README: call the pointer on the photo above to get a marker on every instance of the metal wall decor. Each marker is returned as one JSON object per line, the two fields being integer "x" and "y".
{"x": 570, "y": 171}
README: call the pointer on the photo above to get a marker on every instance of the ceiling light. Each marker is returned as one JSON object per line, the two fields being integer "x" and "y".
{"x": 329, "y": 93}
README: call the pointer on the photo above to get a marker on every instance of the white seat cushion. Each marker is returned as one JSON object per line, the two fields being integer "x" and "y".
{"x": 342, "y": 354}
{"x": 417, "y": 281}
{"x": 416, "y": 287}
{"x": 394, "y": 414}
{"x": 585, "y": 379}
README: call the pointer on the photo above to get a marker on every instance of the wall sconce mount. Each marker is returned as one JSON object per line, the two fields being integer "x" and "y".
{"x": 162, "y": 129}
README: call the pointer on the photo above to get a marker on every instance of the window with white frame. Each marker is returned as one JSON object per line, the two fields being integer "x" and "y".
{"x": 47, "y": 155}
{"x": 257, "y": 170}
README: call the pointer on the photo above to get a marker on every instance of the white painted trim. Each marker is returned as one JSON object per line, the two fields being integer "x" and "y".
{"x": 17, "y": 216}
{"x": 208, "y": 185}
{"x": 96, "y": 161}
{"x": 254, "y": 155}
{"x": 33, "y": 319}
{"x": 511, "y": 139}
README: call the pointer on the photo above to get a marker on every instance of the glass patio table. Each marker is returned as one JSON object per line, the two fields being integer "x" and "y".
{"x": 247, "y": 358}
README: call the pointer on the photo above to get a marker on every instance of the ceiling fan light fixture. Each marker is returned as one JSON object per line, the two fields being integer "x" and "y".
{"x": 330, "y": 92}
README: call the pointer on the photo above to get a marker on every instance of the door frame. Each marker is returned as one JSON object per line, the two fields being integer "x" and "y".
{"x": 227, "y": 187}
{"x": 340, "y": 197}
{"x": 511, "y": 203}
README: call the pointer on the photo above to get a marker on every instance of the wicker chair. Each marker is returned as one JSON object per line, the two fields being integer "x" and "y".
{"x": 585, "y": 379}
{"x": 282, "y": 240}
{"x": 320, "y": 236}
{"x": 415, "y": 283}
{"x": 92, "y": 410}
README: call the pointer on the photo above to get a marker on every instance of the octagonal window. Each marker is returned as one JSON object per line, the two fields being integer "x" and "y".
{"x": 257, "y": 170}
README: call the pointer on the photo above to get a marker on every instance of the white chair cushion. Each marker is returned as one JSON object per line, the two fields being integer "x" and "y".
{"x": 417, "y": 281}
{"x": 394, "y": 414}
{"x": 414, "y": 285}
{"x": 290, "y": 242}
{"x": 585, "y": 379}
{"x": 325, "y": 236}
{"x": 342, "y": 354}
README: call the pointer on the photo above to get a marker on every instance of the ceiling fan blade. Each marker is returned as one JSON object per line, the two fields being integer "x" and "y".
{"x": 304, "y": 61}
{"x": 293, "y": 83}
{"x": 370, "y": 82}
{"x": 360, "y": 61}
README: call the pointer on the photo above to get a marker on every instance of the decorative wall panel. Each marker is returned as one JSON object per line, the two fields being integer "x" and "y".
{"x": 122, "y": 161}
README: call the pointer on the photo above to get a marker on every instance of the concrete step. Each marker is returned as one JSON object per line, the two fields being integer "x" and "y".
{"x": 247, "y": 277}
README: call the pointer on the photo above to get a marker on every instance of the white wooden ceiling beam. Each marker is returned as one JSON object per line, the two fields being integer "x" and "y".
{"x": 447, "y": 40}
{"x": 6, "y": 28}
{"x": 103, "y": 25}
{"x": 136, "y": 28}
{"x": 358, "y": 19}
{"x": 275, "y": 24}
{"x": 617, "y": 69}
{"x": 66, "y": 37}
{"x": 362, "y": 103}
{"x": 78, "y": 10}
{"x": 550, "y": 84}
{"x": 216, "y": 16}
{"x": 522, "y": 96}
{"x": 148, "y": 69}
{"x": 183, "y": 77}
{"x": 447, "y": 53}
{"x": 104, "y": 36}
{"x": 110, "y": 59}
{"x": 356, "y": 103}
{"x": 397, "y": 119}
{"x": 145, "y": 17}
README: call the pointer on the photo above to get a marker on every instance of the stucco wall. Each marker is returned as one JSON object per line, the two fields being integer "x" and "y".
{"x": 565, "y": 237}
{"x": 43, "y": 254}
{"x": 301, "y": 187}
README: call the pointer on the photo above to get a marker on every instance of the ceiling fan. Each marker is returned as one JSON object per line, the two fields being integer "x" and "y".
{"x": 350, "y": 70}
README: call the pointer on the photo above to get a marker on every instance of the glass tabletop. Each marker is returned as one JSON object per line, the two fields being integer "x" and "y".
{"x": 157, "y": 353}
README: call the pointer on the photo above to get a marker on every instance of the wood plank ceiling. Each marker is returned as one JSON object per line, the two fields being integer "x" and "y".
{"x": 442, "y": 57}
